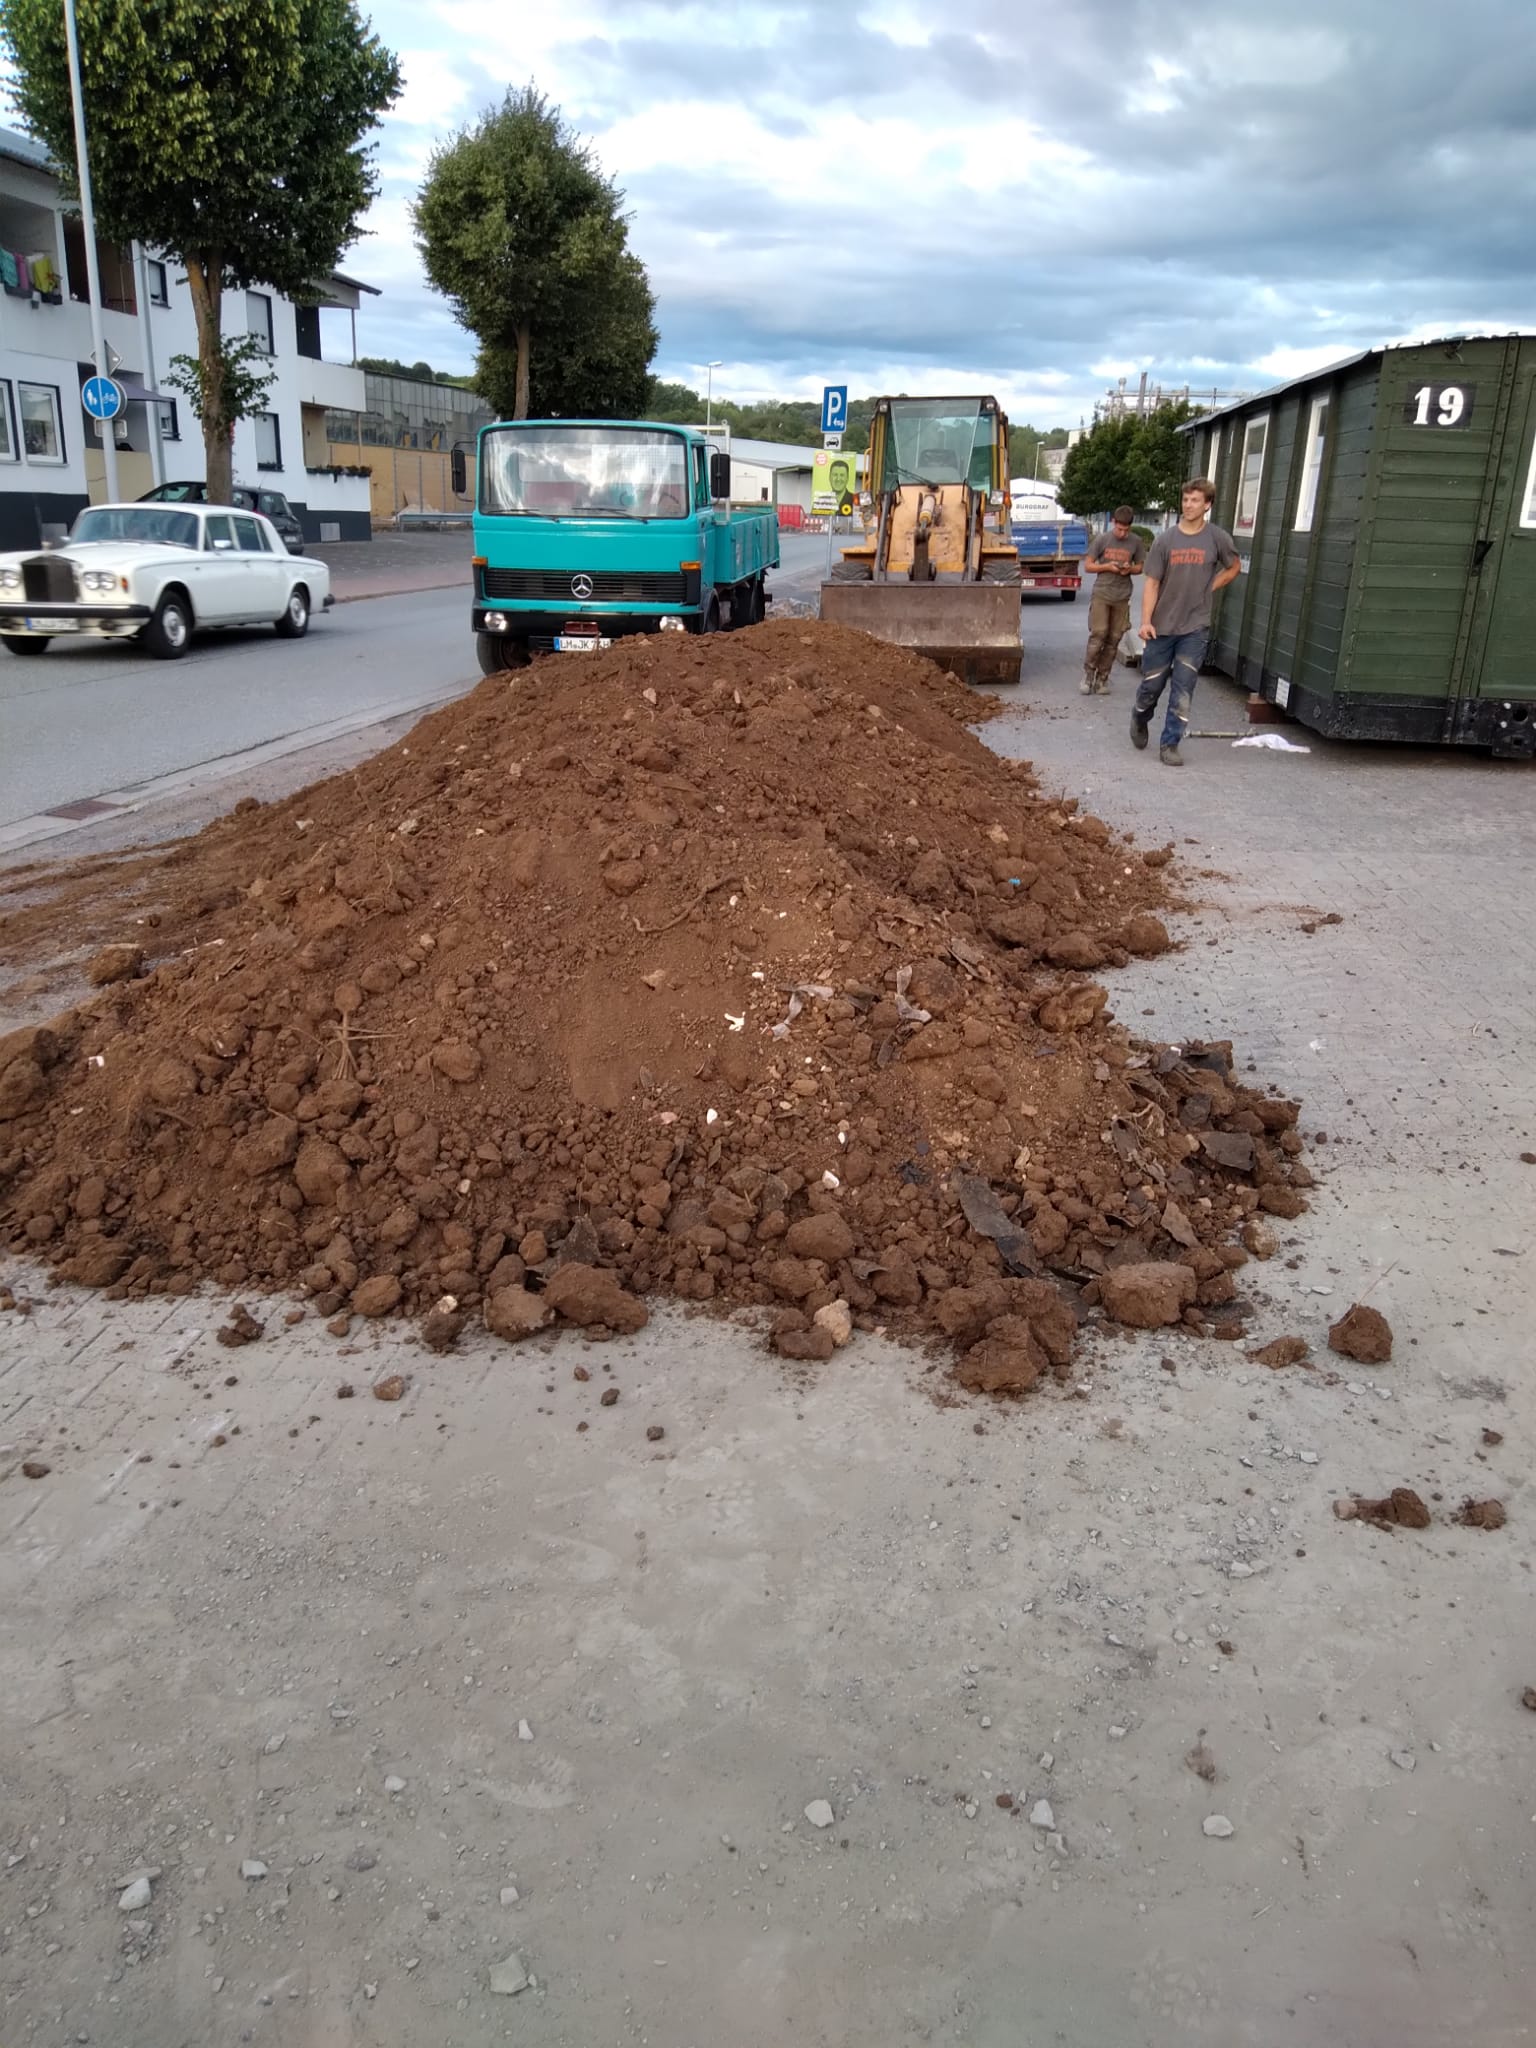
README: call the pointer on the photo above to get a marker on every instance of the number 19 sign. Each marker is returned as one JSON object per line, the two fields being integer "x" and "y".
{"x": 1440, "y": 405}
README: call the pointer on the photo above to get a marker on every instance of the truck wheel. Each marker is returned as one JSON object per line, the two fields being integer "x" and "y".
{"x": 759, "y": 603}
{"x": 496, "y": 654}
{"x": 1069, "y": 597}
{"x": 27, "y": 643}
{"x": 709, "y": 621}
{"x": 747, "y": 604}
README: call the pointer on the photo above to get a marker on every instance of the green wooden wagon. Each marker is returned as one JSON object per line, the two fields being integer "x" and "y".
{"x": 1385, "y": 509}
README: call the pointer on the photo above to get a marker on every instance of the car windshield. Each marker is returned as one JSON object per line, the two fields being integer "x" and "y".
{"x": 558, "y": 471}
{"x": 173, "y": 494}
{"x": 156, "y": 523}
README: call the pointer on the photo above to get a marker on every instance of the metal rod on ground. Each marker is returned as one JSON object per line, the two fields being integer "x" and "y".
{"x": 88, "y": 222}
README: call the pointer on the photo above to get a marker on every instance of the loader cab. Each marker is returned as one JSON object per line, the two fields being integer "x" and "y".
{"x": 938, "y": 441}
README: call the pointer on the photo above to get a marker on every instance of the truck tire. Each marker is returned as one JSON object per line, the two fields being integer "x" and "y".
{"x": 496, "y": 653}
{"x": 709, "y": 618}
{"x": 1069, "y": 597}
{"x": 747, "y": 604}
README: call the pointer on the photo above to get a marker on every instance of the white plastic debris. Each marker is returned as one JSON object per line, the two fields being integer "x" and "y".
{"x": 830, "y": 1180}
{"x": 711, "y": 1116}
{"x": 736, "y": 1023}
{"x": 819, "y": 1813}
{"x": 1217, "y": 1826}
{"x": 1274, "y": 742}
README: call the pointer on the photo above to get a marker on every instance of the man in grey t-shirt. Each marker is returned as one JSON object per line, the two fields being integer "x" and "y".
{"x": 1188, "y": 564}
{"x": 1113, "y": 558}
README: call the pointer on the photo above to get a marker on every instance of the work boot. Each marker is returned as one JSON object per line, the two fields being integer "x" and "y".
{"x": 1138, "y": 730}
{"x": 1086, "y": 685}
{"x": 1101, "y": 686}
{"x": 1170, "y": 757}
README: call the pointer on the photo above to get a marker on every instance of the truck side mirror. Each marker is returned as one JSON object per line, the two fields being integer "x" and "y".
{"x": 719, "y": 474}
{"x": 459, "y": 472}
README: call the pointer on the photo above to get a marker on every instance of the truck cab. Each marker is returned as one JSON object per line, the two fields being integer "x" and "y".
{"x": 588, "y": 531}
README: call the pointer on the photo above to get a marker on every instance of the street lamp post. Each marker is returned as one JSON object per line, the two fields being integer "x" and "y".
{"x": 709, "y": 394}
{"x": 88, "y": 224}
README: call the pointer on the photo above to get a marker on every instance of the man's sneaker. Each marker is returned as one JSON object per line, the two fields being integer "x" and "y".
{"x": 1138, "y": 730}
{"x": 1170, "y": 757}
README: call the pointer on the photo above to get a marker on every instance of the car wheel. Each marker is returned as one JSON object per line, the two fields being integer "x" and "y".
{"x": 26, "y": 643}
{"x": 294, "y": 623}
{"x": 169, "y": 632}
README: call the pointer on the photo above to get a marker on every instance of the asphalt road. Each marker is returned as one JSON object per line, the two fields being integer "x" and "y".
{"x": 81, "y": 721}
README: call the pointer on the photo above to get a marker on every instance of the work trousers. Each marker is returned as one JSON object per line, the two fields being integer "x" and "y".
{"x": 1108, "y": 618}
{"x": 1171, "y": 661}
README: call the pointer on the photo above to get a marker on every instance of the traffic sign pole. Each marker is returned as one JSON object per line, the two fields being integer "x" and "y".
{"x": 834, "y": 418}
{"x": 88, "y": 224}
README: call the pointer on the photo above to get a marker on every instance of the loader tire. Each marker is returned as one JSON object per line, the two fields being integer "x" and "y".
{"x": 851, "y": 572}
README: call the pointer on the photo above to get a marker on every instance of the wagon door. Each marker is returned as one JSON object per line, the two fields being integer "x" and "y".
{"x": 1498, "y": 676}
{"x": 1508, "y": 666}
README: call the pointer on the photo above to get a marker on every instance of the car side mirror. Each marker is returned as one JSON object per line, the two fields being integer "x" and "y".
{"x": 719, "y": 474}
{"x": 458, "y": 470}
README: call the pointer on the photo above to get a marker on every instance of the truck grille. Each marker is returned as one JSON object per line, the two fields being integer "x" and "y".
{"x": 49, "y": 579}
{"x": 660, "y": 586}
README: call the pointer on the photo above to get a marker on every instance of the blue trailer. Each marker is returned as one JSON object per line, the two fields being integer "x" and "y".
{"x": 1050, "y": 555}
{"x": 588, "y": 531}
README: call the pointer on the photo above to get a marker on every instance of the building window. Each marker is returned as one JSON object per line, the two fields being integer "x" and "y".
{"x": 258, "y": 320}
{"x": 42, "y": 432}
{"x": 269, "y": 447}
{"x": 159, "y": 288}
{"x": 170, "y": 420}
{"x": 1213, "y": 457}
{"x": 1312, "y": 464}
{"x": 8, "y": 449}
{"x": 1251, "y": 476}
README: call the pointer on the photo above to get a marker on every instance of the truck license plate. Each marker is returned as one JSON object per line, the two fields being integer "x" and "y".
{"x": 579, "y": 643}
{"x": 1026, "y": 583}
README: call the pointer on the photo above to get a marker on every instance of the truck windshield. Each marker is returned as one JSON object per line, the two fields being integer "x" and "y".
{"x": 952, "y": 445}
{"x": 558, "y": 471}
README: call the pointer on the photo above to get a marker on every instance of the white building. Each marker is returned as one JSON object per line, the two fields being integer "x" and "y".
{"x": 51, "y": 462}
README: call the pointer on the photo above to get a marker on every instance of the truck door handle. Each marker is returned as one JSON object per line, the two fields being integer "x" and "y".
{"x": 1481, "y": 549}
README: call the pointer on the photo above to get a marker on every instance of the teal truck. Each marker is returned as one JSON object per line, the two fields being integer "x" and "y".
{"x": 587, "y": 531}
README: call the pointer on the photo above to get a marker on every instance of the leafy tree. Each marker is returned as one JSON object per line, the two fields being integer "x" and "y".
{"x": 523, "y": 234}
{"x": 1162, "y": 456}
{"x": 242, "y": 387}
{"x": 1101, "y": 470}
{"x": 594, "y": 369}
{"x": 228, "y": 135}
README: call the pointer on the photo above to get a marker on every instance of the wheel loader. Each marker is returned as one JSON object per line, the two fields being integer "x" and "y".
{"x": 937, "y": 570}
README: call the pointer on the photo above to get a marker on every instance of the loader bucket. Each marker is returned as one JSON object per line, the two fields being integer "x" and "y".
{"x": 972, "y": 628}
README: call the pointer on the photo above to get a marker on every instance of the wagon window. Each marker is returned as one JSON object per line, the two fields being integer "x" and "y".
{"x": 1312, "y": 465}
{"x": 1528, "y": 509}
{"x": 1255, "y": 435}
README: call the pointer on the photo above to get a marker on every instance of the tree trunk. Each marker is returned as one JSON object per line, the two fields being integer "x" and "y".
{"x": 524, "y": 341}
{"x": 205, "y": 281}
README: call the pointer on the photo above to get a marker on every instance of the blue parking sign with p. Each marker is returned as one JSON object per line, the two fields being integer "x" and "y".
{"x": 834, "y": 408}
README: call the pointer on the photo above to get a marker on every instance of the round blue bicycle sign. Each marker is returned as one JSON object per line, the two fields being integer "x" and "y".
{"x": 102, "y": 397}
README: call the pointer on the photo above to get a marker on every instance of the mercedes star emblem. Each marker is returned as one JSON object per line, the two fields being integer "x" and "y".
{"x": 581, "y": 586}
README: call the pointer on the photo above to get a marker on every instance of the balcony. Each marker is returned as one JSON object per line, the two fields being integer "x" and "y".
{"x": 338, "y": 386}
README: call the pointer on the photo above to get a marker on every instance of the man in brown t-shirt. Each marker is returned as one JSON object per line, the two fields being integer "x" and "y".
{"x": 1113, "y": 558}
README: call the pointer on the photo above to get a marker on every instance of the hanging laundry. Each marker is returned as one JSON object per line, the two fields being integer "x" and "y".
{"x": 10, "y": 276}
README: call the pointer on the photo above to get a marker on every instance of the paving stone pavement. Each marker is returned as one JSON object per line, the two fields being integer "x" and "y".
{"x": 237, "y": 1605}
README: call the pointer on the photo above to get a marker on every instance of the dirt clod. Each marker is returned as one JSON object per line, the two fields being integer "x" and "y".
{"x": 390, "y": 1388}
{"x": 1148, "y": 1296}
{"x": 608, "y": 1397}
{"x": 1282, "y": 1351}
{"x": 115, "y": 963}
{"x": 242, "y": 1327}
{"x": 1363, "y": 1334}
{"x": 1481, "y": 1514}
{"x": 1402, "y": 1508}
{"x": 654, "y": 1433}
{"x": 34, "y": 1468}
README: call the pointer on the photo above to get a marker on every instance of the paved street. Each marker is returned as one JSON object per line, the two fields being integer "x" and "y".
{"x": 79, "y": 721}
{"x": 243, "y": 1620}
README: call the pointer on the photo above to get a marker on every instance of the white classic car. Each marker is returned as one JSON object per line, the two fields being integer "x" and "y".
{"x": 158, "y": 574}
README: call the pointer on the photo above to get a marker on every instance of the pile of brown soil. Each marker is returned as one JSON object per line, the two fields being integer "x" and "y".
{"x": 736, "y": 969}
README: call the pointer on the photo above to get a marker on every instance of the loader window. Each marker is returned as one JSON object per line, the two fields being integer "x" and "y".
{"x": 561, "y": 472}
{"x": 938, "y": 445}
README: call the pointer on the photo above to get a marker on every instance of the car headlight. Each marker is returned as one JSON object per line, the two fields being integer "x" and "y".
{"x": 10, "y": 579}
{"x": 101, "y": 580}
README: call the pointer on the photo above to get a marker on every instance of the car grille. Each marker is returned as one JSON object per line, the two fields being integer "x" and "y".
{"x": 608, "y": 586}
{"x": 49, "y": 579}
